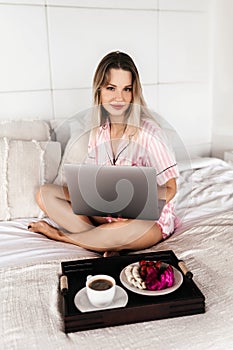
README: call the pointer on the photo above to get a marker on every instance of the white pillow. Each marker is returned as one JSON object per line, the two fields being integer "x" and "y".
{"x": 60, "y": 131}
{"x": 25, "y": 130}
{"x": 24, "y": 166}
{"x": 63, "y": 129}
{"x": 75, "y": 152}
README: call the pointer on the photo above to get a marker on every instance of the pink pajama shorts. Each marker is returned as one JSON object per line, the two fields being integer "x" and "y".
{"x": 168, "y": 221}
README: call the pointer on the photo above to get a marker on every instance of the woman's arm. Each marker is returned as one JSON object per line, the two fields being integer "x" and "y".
{"x": 167, "y": 191}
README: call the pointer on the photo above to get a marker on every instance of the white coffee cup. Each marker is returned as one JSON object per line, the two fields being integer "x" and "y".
{"x": 100, "y": 290}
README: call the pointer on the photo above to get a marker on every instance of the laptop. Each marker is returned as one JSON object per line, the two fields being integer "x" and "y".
{"x": 116, "y": 191}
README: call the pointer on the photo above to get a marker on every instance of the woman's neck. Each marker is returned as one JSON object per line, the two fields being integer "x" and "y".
{"x": 120, "y": 119}
{"x": 117, "y": 130}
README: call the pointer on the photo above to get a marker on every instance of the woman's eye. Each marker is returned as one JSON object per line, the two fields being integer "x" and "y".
{"x": 128, "y": 89}
{"x": 110, "y": 88}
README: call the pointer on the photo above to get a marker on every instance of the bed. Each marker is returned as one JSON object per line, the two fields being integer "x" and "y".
{"x": 30, "y": 266}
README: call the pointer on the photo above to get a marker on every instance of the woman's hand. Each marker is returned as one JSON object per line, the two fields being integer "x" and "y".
{"x": 106, "y": 219}
{"x": 109, "y": 219}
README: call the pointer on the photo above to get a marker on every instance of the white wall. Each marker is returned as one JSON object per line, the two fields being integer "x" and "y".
{"x": 50, "y": 49}
{"x": 222, "y": 77}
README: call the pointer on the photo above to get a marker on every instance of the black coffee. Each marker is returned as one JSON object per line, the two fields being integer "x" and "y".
{"x": 100, "y": 284}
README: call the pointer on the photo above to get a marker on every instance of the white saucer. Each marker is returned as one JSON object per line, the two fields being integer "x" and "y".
{"x": 82, "y": 302}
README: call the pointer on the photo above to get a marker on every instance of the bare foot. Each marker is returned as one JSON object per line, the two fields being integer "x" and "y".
{"x": 47, "y": 230}
{"x": 109, "y": 254}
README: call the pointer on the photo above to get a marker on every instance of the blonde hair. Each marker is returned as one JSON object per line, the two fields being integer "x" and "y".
{"x": 118, "y": 60}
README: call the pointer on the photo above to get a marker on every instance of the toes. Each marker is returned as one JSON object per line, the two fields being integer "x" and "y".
{"x": 35, "y": 225}
{"x": 110, "y": 254}
{"x": 31, "y": 226}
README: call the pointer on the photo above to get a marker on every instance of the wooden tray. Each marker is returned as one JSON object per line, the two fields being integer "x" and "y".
{"x": 186, "y": 300}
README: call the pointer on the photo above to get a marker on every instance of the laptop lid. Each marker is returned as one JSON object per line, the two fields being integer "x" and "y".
{"x": 117, "y": 191}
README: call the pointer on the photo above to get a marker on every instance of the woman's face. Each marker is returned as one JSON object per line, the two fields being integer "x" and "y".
{"x": 117, "y": 95}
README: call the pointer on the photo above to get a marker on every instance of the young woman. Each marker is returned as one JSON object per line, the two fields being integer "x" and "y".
{"x": 123, "y": 134}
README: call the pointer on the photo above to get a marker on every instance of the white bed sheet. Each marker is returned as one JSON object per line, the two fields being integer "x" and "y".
{"x": 205, "y": 188}
{"x": 19, "y": 247}
{"x": 31, "y": 316}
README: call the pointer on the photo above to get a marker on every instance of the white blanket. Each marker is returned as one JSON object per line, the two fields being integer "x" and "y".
{"x": 204, "y": 190}
{"x": 30, "y": 308}
{"x": 19, "y": 247}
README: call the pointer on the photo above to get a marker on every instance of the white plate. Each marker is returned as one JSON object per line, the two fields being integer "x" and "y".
{"x": 82, "y": 302}
{"x": 178, "y": 279}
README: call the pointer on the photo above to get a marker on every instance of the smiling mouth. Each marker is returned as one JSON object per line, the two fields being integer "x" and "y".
{"x": 118, "y": 107}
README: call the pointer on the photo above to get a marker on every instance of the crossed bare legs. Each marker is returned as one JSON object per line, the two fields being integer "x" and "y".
{"x": 95, "y": 233}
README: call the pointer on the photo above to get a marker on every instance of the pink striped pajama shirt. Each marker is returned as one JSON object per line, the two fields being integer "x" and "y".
{"x": 149, "y": 149}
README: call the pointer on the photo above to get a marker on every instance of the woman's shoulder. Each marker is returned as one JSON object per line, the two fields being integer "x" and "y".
{"x": 150, "y": 125}
{"x": 153, "y": 131}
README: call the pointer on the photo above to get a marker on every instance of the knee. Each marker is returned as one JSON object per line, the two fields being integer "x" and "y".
{"x": 41, "y": 195}
{"x": 49, "y": 193}
{"x": 38, "y": 199}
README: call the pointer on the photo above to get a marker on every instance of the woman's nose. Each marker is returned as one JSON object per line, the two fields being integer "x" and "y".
{"x": 118, "y": 95}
